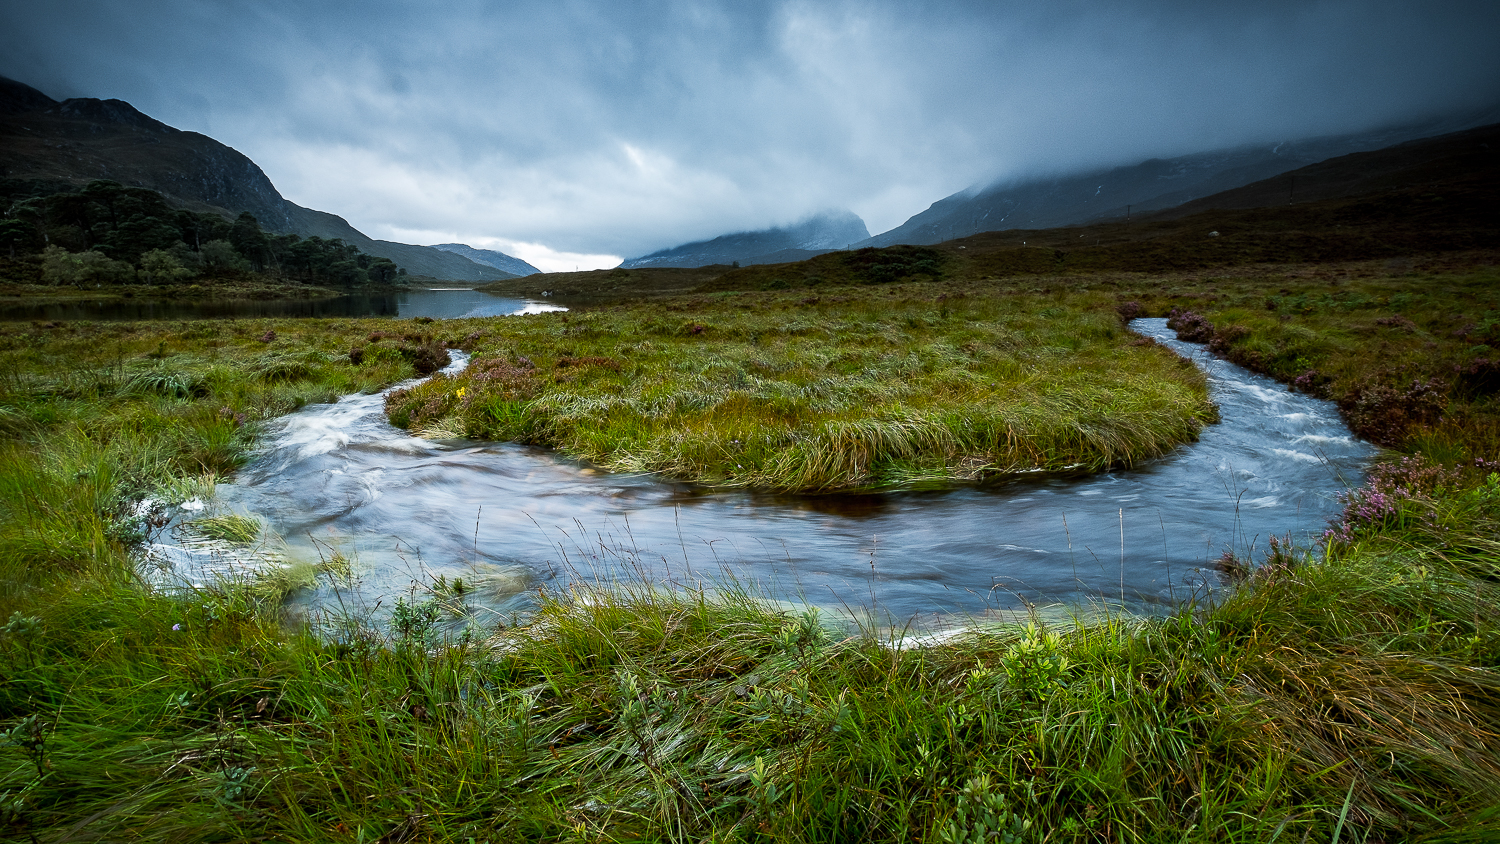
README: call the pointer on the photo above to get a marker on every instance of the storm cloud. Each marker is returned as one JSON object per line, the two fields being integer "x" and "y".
{"x": 574, "y": 133}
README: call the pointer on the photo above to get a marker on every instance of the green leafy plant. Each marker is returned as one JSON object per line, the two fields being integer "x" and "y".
{"x": 984, "y": 817}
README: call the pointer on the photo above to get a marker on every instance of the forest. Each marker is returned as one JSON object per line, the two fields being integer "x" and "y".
{"x": 108, "y": 234}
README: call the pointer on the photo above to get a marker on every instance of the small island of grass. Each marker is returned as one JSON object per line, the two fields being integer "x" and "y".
{"x": 910, "y": 385}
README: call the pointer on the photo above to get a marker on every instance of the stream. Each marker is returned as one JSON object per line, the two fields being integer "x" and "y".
{"x": 507, "y": 519}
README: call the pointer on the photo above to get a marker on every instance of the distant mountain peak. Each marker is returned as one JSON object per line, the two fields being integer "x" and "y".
{"x": 822, "y": 232}
{"x": 490, "y": 258}
{"x": 1081, "y": 197}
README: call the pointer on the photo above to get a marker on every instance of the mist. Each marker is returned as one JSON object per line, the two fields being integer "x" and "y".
{"x": 574, "y": 134}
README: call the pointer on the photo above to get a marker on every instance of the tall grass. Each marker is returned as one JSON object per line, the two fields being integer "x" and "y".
{"x": 774, "y": 392}
{"x": 1334, "y": 691}
{"x": 1345, "y": 692}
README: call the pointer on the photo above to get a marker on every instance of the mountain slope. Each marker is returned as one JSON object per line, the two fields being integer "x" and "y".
{"x": 73, "y": 142}
{"x": 813, "y": 236}
{"x": 490, "y": 257}
{"x": 1148, "y": 186}
{"x": 1448, "y": 161}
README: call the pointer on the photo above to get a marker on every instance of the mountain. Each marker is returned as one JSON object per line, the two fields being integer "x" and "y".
{"x": 1044, "y": 203}
{"x": 1453, "y": 163}
{"x": 818, "y": 234}
{"x": 70, "y": 143}
{"x": 499, "y": 260}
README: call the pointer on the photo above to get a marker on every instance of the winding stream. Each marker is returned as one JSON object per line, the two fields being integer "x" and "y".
{"x": 508, "y": 518}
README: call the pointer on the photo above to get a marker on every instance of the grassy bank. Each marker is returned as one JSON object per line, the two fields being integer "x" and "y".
{"x": 97, "y": 416}
{"x": 18, "y": 289}
{"x": 1347, "y": 692}
{"x": 1344, "y": 695}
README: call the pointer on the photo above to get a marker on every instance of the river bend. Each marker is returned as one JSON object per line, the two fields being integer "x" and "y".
{"x": 508, "y": 518}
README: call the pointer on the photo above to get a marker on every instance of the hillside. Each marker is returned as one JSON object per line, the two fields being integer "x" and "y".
{"x": 67, "y": 144}
{"x": 1447, "y": 160}
{"x": 499, "y": 260}
{"x": 813, "y": 236}
{"x": 1070, "y": 200}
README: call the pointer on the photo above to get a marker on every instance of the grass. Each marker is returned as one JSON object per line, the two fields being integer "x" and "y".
{"x": 1347, "y": 691}
{"x": 904, "y": 387}
{"x": 230, "y": 527}
{"x": 1353, "y": 689}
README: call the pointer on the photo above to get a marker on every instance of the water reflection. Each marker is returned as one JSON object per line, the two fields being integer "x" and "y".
{"x": 447, "y": 303}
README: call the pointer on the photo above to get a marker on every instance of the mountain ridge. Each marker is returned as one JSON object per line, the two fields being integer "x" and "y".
{"x": 75, "y": 141}
{"x": 490, "y": 257}
{"x": 1152, "y": 185}
{"x": 820, "y": 233}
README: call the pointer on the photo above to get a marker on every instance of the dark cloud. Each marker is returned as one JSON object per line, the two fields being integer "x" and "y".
{"x": 615, "y": 128}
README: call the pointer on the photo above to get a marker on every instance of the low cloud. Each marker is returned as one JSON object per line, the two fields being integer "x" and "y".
{"x": 595, "y": 129}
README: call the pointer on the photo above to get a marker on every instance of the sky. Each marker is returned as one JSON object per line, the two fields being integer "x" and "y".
{"x": 573, "y": 133}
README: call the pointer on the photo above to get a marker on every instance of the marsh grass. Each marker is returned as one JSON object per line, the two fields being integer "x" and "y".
{"x": 1336, "y": 691}
{"x": 905, "y": 388}
{"x": 1345, "y": 691}
{"x": 229, "y": 527}
{"x": 98, "y": 417}
{"x": 1412, "y": 357}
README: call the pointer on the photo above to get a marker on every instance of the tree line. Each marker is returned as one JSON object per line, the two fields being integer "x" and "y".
{"x": 108, "y": 233}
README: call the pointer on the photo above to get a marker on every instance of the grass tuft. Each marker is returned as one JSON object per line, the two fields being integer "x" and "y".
{"x": 231, "y": 527}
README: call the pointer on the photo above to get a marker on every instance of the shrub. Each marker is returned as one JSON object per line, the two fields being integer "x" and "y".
{"x": 425, "y": 354}
{"x": 1387, "y": 415}
{"x": 1192, "y": 327}
{"x": 162, "y": 267}
{"x": 1480, "y": 375}
{"x": 83, "y": 269}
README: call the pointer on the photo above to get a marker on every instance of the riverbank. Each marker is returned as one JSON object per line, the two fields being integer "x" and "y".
{"x": 22, "y": 283}
{"x": 1350, "y": 693}
{"x": 255, "y": 289}
{"x": 1346, "y": 692}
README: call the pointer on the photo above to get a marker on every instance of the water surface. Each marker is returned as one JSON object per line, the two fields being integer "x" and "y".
{"x": 437, "y": 303}
{"x": 509, "y": 518}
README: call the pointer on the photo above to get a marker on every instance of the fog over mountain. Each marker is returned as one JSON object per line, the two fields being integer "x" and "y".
{"x": 1155, "y": 184}
{"x": 818, "y": 234}
{"x": 572, "y": 134}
